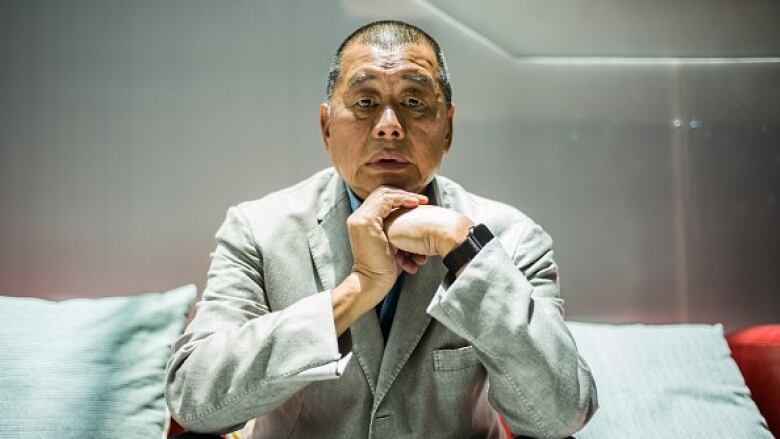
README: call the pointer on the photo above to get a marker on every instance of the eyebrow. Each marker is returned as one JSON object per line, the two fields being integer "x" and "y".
{"x": 418, "y": 78}
{"x": 360, "y": 78}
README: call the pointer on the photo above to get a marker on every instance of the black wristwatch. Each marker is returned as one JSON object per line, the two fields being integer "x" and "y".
{"x": 477, "y": 238}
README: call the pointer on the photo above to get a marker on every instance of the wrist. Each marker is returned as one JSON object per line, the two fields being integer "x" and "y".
{"x": 352, "y": 298}
{"x": 344, "y": 299}
{"x": 478, "y": 237}
{"x": 455, "y": 237}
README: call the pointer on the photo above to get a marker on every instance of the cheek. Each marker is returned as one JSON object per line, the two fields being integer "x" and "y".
{"x": 346, "y": 137}
{"x": 429, "y": 145}
{"x": 346, "y": 154}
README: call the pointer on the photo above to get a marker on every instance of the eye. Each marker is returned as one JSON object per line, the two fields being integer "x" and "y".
{"x": 413, "y": 103}
{"x": 365, "y": 103}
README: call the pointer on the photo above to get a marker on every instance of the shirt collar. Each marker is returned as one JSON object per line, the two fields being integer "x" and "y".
{"x": 354, "y": 201}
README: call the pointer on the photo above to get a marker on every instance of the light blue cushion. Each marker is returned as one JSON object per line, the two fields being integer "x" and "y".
{"x": 666, "y": 381}
{"x": 87, "y": 368}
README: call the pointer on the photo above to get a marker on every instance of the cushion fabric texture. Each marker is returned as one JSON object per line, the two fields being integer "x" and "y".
{"x": 87, "y": 367}
{"x": 666, "y": 381}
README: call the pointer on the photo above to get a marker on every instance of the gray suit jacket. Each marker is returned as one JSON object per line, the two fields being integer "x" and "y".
{"x": 263, "y": 343}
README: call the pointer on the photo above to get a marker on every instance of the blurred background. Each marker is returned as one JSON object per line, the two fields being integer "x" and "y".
{"x": 643, "y": 136}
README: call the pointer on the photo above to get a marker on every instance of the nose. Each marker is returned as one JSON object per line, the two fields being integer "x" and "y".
{"x": 388, "y": 126}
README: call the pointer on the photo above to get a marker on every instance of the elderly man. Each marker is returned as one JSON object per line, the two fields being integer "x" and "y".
{"x": 378, "y": 299}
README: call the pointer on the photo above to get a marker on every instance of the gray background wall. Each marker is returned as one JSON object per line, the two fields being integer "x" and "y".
{"x": 643, "y": 137}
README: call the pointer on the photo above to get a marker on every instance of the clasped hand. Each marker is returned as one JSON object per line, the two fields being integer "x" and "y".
{"x": 395, "y": 230}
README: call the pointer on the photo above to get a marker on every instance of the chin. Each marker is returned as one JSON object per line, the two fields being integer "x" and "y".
{"x": 400, "y": 183}
{"x": 369, "y": 183}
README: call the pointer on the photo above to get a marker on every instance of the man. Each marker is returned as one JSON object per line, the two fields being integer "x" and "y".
{"x": 377, "y": 299}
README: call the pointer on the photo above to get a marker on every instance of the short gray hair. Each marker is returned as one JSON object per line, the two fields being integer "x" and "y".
{"x": 390, "y": 34}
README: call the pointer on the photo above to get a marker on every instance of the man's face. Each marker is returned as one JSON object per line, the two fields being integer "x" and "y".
{"x": 388, "y": 122}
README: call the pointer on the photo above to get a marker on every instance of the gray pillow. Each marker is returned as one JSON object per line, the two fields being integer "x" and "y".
{"x": 87, "y": 368}
{"x": 666, "y": 381}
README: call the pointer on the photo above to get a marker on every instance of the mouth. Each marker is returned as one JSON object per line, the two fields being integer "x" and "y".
{"x": 387, "y": 162}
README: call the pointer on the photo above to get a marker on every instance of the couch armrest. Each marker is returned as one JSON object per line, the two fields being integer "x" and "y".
{"x": 757, "y": 353}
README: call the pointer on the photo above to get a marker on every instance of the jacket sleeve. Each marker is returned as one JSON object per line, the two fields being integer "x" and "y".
{"x": 509, "y": 308}
{"x": 236, "y": 360}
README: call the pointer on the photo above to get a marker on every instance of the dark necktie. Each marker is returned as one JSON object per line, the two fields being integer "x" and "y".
{"x": 386, "y": 308}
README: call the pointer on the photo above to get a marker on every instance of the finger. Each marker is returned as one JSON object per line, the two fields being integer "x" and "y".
{"x": 404, "y": 265}
{"x": 403, "y": 262}
{"x": 414, "y": 257}
{"x": 396, "y": 190}
{"x": 409, "y": 266}
{"x": 402, "y": 199}
{"x": 421, "y": 199}
{"x": 419, "y": 259}
{"x": 392, "y": 203}
{"x": 384, "y": 200}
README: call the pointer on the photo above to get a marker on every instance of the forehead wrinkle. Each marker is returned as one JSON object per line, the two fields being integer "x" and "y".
{"x": 409, "y": 62}
{"x": 395, "y": 57}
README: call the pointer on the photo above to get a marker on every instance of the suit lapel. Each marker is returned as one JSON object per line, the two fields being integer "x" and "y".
{"x": 411, "y": 320}
{"x": 332, "y": 256}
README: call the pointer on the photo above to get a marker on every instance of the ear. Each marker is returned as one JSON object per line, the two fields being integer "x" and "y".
{"x": 325, "y": 124}
{"x": 448, "y": 134}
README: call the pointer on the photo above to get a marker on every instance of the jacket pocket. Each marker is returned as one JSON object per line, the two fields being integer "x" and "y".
{"x": 454, "y": 359}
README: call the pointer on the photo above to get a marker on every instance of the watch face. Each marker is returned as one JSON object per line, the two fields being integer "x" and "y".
{"x": 482, "y": 234}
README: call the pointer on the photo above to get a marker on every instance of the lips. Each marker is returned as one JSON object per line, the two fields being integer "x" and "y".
{"x": 387, "y": 157}
{"x": 386, "y": 161}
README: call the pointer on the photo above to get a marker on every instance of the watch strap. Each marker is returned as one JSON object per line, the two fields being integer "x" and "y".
{"x": 478, "y": 236}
